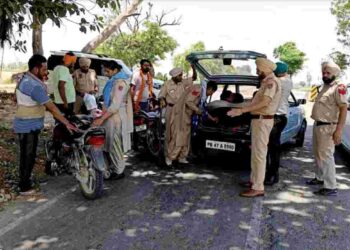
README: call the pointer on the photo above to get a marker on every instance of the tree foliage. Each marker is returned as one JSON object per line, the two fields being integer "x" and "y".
{"x": 341, "y": 59}
{"x": 180, "y": 59}
{"x": 16, "y": 16}
{"x": 160, "y": 76}
{"x": 341, "y": 10}
{"x": 152, "y": 42}
{"x": 213, "y": 66}
{"x": 290, "y": 54}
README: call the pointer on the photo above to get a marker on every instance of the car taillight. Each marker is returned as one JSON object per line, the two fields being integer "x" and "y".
{"x": 96, "y": 140}
{"x": 138, "y": 122}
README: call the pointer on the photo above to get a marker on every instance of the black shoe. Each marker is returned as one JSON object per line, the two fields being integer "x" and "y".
{"x": 327, "y": 192}
{"x": 314, "y": 182}
{"x": 115, "y": 176}
{"x": 271, "y": 180}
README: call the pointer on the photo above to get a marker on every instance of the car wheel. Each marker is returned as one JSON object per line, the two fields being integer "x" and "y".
{"x": 299, "y": 140}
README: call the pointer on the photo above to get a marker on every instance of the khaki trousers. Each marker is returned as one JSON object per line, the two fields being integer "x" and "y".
{"x": 261, "y": 129}
{"x": 173, "y": 152}
{"x": 78, "y": 103}
{"x": 323, "y": 148}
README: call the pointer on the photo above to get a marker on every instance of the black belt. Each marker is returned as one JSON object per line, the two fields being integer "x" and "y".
{"x": 319, "y": 123}
{"x": 170, "y": 104}
{"x": 262, "y": 116}
{"x": 276, "y": 116}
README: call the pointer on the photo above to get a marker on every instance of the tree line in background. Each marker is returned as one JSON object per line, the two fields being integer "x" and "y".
{"x": 130, "y": 30}
{"x": 341, "y": 10}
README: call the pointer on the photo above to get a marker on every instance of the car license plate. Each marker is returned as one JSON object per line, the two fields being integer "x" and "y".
{"x": 227, "y": 146}
{"x": 140, "y": 128}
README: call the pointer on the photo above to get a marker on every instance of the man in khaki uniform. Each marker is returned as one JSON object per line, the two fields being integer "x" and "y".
{"x": 329, "y": 113}
{"x": 187, "y": 106}
{"x": 263, "y": 108}
{"x": 169, "y": 96}
{"x": 85, "y": 81}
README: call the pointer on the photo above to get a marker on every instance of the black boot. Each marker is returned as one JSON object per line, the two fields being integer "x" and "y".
{"x": 271, "y": 180}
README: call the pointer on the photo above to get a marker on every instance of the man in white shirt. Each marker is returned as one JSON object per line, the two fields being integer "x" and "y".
{"x": 280, "y": 122}
{"x": 142, "y": 82}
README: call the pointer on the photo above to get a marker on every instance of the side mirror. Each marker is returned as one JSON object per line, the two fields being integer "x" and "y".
{"x": 301, "y": 101}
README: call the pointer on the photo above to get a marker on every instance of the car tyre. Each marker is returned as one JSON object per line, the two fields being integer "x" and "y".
{"x": 299, "y": 140}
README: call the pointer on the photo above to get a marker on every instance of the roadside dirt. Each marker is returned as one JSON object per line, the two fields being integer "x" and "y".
{"x": 9, "y": 149}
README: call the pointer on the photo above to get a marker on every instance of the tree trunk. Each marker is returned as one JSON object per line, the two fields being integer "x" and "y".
{"x": 111, "y": 27}
{"x": 37, "y": 43}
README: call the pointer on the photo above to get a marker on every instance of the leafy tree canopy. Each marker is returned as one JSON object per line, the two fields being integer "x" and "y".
{"x": 152, "y": 43}
{"x": 341, "y": 10}
{"x": 290, "y": 54}
{"x": 19, "y": 15}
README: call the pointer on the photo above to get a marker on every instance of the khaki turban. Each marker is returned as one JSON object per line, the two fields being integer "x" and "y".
{"x": 175, "y": 72}
{"x": 332, "y": 67}
{"x": 265, "y": 65}
{"x": 83, "y": 61}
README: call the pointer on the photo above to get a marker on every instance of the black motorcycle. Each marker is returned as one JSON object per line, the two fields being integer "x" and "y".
{"x": 148, "y": 136}
{"x": 79, "y": 153}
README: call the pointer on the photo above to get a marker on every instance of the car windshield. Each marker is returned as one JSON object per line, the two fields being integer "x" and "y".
{"x": 216, "y": 66}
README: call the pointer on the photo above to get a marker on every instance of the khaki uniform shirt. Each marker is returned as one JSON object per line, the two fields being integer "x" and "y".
{"x": 270, "y": 87}
{"x": 85, "y": 82}
{"x": 326, "y": 107}
{"x": 172, "y": 91}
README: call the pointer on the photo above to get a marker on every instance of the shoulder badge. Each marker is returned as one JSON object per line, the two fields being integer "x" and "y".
{"x": 195, "y": 92}
{"x": 342, "y": 89}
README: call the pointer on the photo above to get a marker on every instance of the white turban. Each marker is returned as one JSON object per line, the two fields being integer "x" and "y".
{"x": 175, "y": 72}
{"x": 265, "y": 65}
{"x": 333, "y": 68}
{"x": 83, "y": 61}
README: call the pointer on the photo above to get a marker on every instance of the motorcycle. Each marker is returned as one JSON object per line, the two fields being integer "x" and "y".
{"x": 148, "y": 136}
{"x": 79, "y": 153}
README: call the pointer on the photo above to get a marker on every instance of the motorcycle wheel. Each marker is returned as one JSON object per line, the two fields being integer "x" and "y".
{"x": 93, "y": 188}
{"x": 154, "y": 144}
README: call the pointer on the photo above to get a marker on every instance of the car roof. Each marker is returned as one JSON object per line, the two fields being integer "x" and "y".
{"x": 94, "y": 58}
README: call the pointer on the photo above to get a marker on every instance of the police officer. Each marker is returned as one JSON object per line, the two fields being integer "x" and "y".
{"x": 329, "y": 113}
{"x": 169, "y": 97}
{"x": 263, "y": 108}
{"x": 280, "y": 122}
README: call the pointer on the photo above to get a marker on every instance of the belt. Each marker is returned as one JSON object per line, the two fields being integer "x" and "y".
{"x": 262, "y": 116}
{"x": 170, "y": 104}
{"x": 319, "y": 123}
{"x": 282, "y": 115}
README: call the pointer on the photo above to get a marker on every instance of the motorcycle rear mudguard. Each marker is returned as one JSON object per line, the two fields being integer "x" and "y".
{"x": 98, "y": 159}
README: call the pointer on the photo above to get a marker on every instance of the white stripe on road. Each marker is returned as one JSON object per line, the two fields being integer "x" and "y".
{"x": 34, "y": 212}
{"x": 252, "y": 241}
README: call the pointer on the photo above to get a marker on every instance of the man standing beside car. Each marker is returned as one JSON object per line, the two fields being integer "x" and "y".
{"x": 169, "y": 96}
{"x": 64, "y": 91}
{"x": 329, "y": 113}
{"x": 280, "y": 122}
{"x": 189, "y": 105}
{"x": 142, "y": 82}
{"x": 263, "y": 108}
{"x": 85, "y": 82}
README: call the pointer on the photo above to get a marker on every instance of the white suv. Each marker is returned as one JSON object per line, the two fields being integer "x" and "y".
{"x": 96, "y": 64}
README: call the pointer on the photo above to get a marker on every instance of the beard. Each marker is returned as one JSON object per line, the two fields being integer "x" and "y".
{"x": 261, "y": 77}
{"x": 145, "y": 70}
{"x": 327, "y": 80}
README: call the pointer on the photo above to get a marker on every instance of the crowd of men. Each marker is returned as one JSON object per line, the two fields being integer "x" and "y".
{"x": 182, "y": 99}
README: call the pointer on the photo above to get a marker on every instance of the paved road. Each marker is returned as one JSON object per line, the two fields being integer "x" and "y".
{"x": 195, "y": 207}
